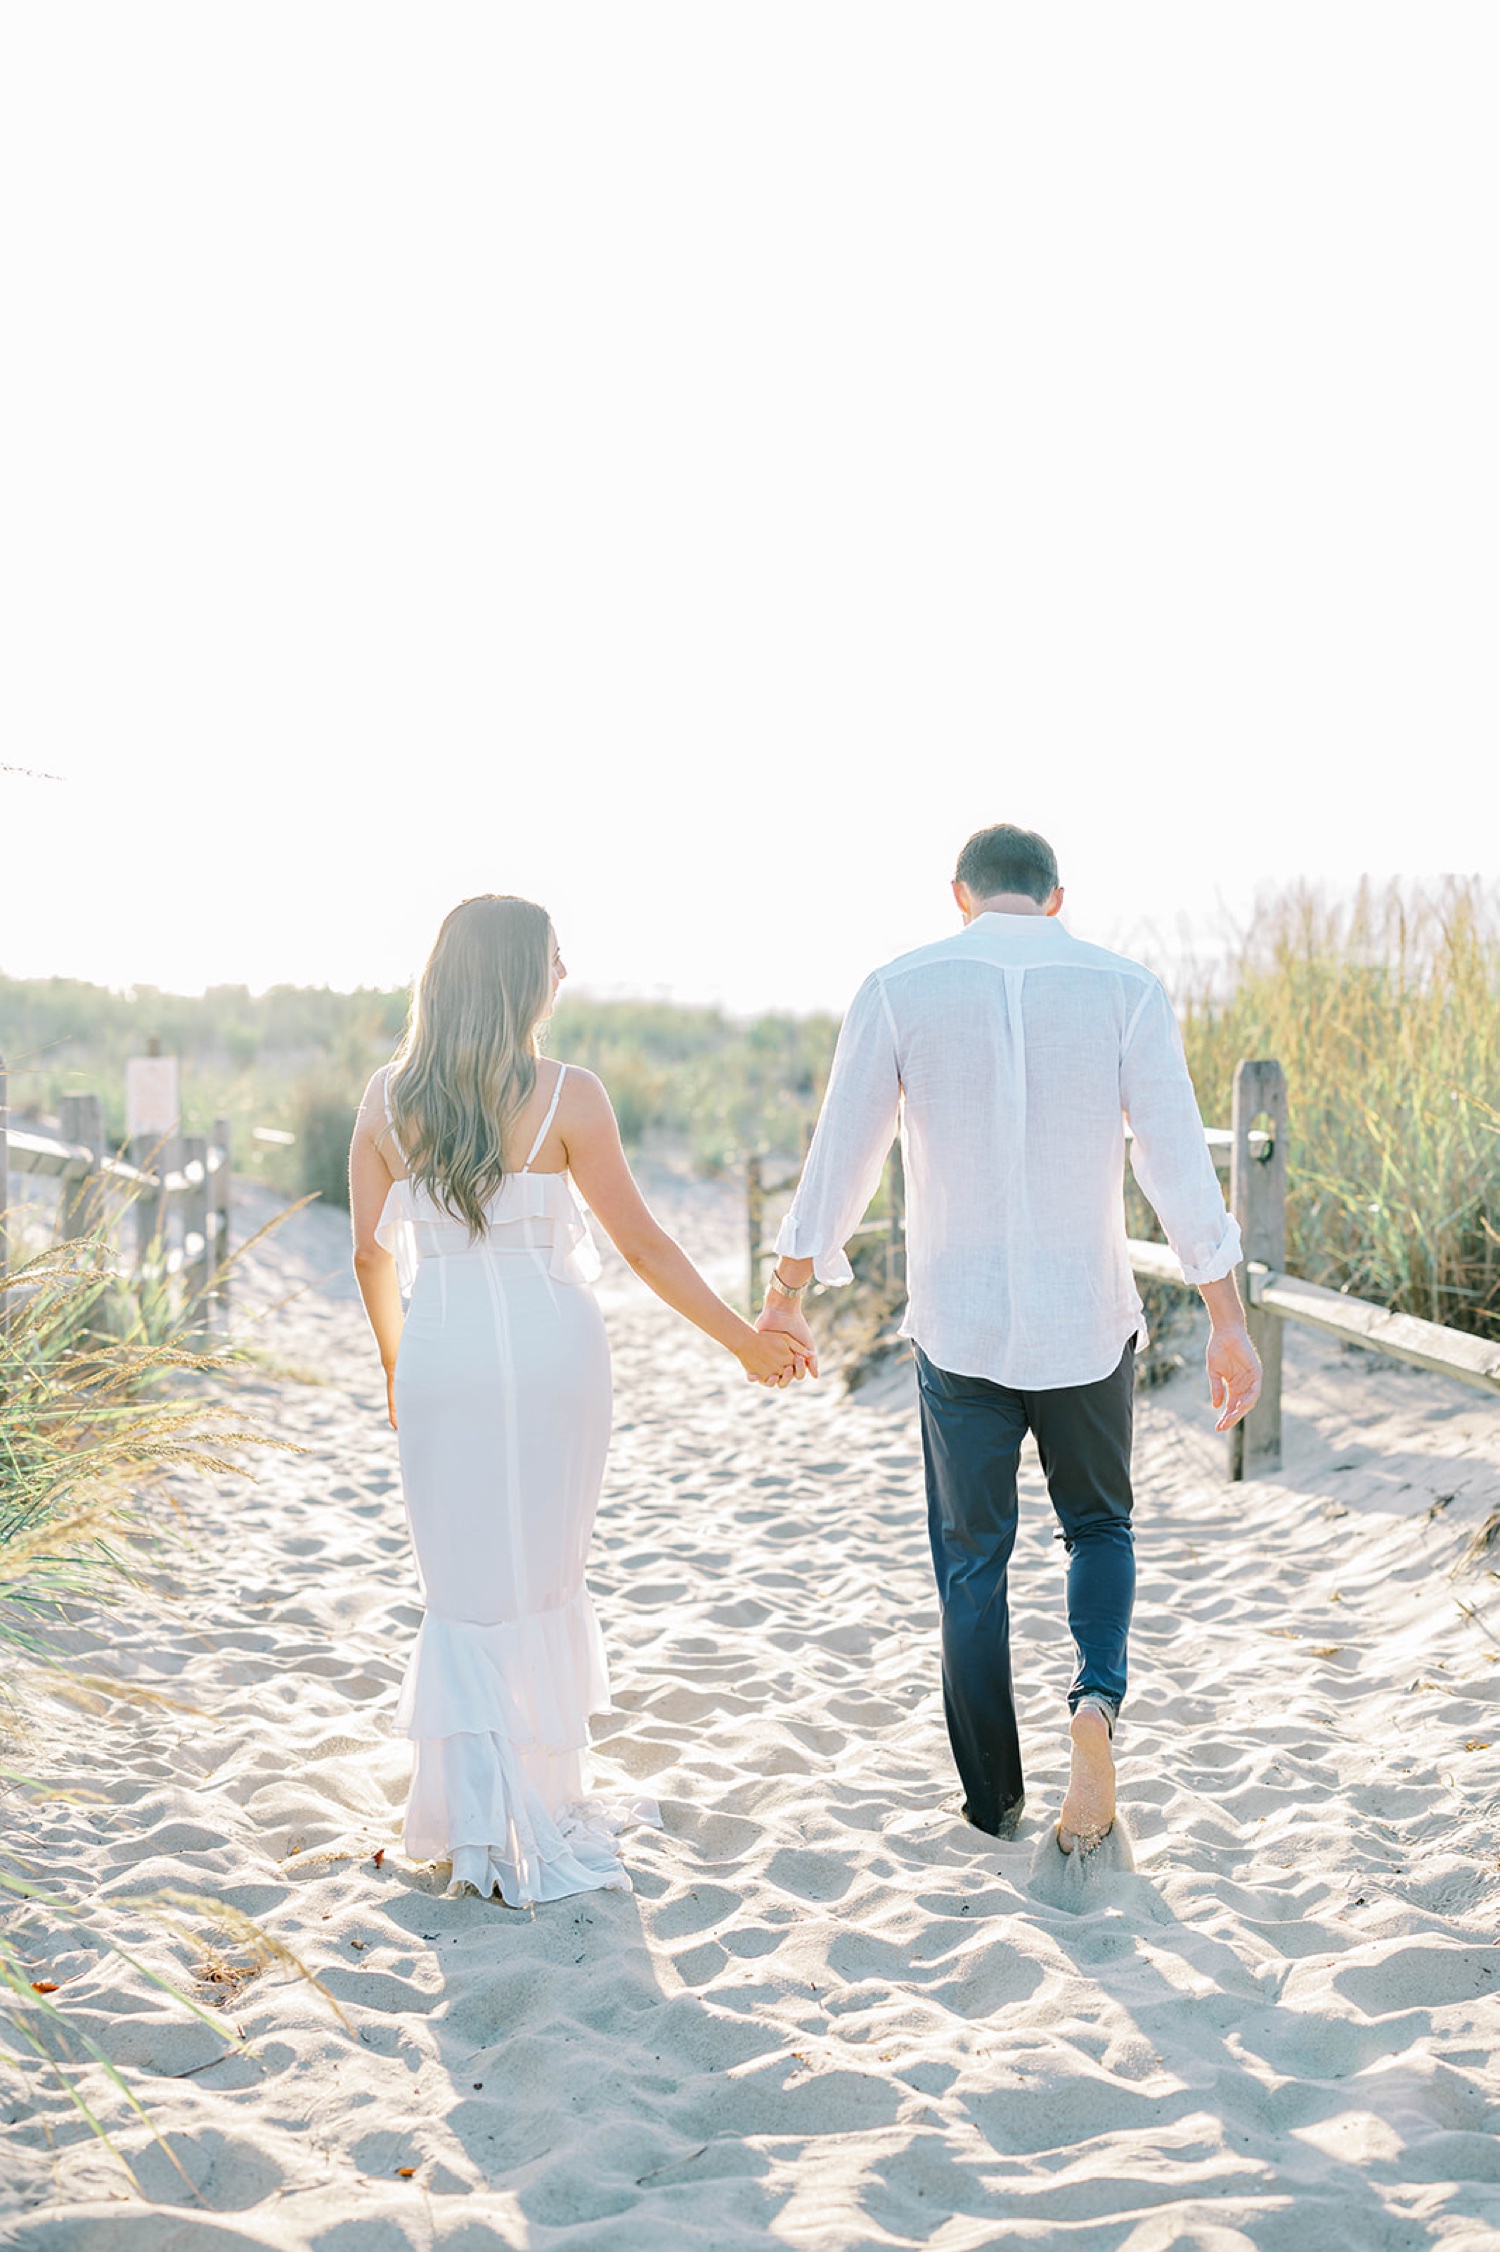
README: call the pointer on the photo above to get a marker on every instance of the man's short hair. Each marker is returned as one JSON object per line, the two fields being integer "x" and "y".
{"x": 1008, "y": 859}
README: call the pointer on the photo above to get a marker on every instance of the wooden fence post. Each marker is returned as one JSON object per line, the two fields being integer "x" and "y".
{"x": 195, "y": 1245}
{"x": 219, "y": 1212}
{"x": 895, "y": 1249}
{"x": 755, "y": 1215}
{"x": 1257, "y": 1194}
{"x": 138, "y": 1150}
{"x": 152, "y": 1154}
{"x": 79, "y": 1209}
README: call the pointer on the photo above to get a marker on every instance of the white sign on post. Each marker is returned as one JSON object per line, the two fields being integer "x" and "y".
{"x": 151, "y": 1106}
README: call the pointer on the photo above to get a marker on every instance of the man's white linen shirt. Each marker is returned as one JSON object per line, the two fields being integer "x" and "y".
{"x": 1012, "y": 1055}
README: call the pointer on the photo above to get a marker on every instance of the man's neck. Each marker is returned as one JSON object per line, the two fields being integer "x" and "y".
{"x": 1007, "y": 903}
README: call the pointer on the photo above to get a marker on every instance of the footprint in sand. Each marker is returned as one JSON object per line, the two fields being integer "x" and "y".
{"x": 1079, "y": 1880}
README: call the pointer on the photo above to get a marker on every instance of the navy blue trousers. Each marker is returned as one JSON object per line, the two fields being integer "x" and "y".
{"x": 971, "y": 1442}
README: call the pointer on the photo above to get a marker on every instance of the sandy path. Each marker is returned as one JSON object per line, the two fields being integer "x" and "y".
{"x": 830, "y": 2016}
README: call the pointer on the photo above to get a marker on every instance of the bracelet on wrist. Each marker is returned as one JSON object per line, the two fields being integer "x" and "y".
{"x": 792, "y": 1290}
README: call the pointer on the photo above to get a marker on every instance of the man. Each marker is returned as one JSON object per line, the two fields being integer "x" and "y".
{"x": 1012, "y": 1054}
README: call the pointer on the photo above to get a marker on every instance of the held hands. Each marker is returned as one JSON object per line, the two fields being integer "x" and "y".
{"x": 774, "y": 1361}
{"x": 783, "y": 1351}
{"x": 783, "y": 1318}
{"x": 1233, "y": 1374}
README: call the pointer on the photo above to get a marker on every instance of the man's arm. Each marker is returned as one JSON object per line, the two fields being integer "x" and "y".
{"x": 855, "y": 1130}
{"x": 1169, "y": 1157}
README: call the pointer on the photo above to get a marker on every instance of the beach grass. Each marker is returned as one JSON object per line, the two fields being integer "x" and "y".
{"x": 1384, "y": 1012}
{"x": 90, "y": 1421}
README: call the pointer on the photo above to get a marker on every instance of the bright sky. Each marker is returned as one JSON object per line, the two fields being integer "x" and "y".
{"x": 692, "y": 464}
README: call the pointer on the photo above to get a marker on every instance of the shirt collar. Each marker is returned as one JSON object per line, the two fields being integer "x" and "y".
{"x": 1022, "y": 927}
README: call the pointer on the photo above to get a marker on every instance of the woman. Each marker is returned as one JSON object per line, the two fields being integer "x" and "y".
{"x": 462, "y": 1171}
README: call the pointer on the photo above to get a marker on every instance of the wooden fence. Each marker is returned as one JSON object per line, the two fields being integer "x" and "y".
{"x": 892, "y": 1227}
{"x": 178, "y": 1188}
{"x": 1253, "y": 1146}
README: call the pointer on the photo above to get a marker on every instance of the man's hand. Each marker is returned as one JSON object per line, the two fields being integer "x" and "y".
{"x": 1233, "y": 1363}
{"x": 786, "y": 1317}
{"x": 1233, "y": 1373}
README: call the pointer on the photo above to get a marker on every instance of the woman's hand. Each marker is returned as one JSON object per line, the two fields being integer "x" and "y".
{"x": 390, "y": 1395}
{"x": 771, "y": 1357}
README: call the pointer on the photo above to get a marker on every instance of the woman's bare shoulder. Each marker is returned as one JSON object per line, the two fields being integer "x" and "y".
{"x": 584, "y": 1094}
{"x": 584, "y": 1105}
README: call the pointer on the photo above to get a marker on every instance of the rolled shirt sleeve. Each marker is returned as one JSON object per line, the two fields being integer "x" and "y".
{"x": 855, "y": 1130}
{"x": 1168, "y": 1153}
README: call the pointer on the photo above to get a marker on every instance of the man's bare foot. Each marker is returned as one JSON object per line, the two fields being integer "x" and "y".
{"x": 1088, "y": 1811}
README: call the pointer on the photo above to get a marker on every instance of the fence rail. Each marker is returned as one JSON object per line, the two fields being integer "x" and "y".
{"x": 762, "y": 1250}
{"x": 1357, "y": 1321}
{"x": 179, "y": 1188}
{"x": 1254, "y": 1147}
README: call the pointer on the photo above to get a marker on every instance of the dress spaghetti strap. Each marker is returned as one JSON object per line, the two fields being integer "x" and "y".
{"x": 546, "y": 1126}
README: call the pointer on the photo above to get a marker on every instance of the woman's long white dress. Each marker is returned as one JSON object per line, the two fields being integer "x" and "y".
{"x": 503, "y": 1421}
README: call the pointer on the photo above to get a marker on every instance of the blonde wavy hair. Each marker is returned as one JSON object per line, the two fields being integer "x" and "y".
{"x": 466, "y": 1066}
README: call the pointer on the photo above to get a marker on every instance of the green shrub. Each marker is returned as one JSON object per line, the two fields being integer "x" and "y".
{"x": 323, "y": 1118}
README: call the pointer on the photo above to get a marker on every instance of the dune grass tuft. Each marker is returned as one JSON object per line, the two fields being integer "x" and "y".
{"x": 1384, "y": 1012}
{"x": 90, "y": 1420}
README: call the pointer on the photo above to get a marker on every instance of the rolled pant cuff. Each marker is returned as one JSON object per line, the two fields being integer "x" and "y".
{"x": 1109, "y": 1706}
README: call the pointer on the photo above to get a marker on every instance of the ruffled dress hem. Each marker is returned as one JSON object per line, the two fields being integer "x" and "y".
{"x": 534, "y": 1680}
{"x": 499, "y": 1719}
{"x": 582, "y": 1856}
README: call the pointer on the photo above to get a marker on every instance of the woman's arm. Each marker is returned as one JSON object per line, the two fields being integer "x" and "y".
{"x": 597, "y": 1163}
{"x": 370, "y": 1180}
